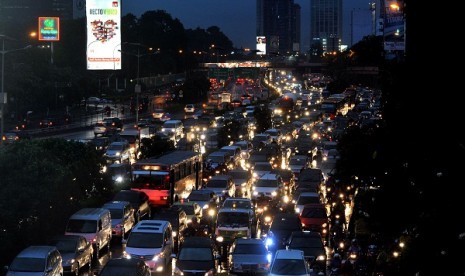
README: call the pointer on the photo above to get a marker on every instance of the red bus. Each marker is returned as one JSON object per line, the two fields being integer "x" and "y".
{"x": 168, "y": 177}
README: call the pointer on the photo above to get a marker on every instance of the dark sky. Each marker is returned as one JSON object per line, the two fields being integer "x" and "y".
{"x": 236, "y": 18}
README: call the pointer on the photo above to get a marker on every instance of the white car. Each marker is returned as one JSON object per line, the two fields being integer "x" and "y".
{"x": 189, "y": 108}
{"x": 289, "y": 262}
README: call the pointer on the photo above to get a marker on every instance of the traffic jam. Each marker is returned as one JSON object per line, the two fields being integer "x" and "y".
{"x": 251, "y": 191}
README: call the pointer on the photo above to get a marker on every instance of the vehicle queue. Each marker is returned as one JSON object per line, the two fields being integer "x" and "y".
{"x": 254, "y": 206}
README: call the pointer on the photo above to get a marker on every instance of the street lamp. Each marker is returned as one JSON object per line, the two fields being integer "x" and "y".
{"x": 137, "y": 88}
{"x": 3, "y": 95}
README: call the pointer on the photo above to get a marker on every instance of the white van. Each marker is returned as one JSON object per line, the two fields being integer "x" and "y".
{"x": 152, "y": 241}
{"x": 94, "y": 224}
{"x": 174, "y": 126}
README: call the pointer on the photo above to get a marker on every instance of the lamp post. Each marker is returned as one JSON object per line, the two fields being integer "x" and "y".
{"x": 3, "y": 95}
{"x": 137, "y": 88}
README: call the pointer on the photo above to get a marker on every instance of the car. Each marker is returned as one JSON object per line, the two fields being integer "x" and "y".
{"x": 192, "y": 209}
{"x": 48, "y": 122}
{"x": 139, "y": 201}
{"x": 189, "y": 108}
{"x": 208, "y": 201}
{"x": 249, "y": 256}
{"x": 144, "y": 122}
{"x": 120, "y": 173}
{"x": 118, "y": 152}
{"x": 124, "y": 267}
{"x": 281, "y": 228}
{"x": 178, "y": 219}
{"x": 122, "y": 217}
{"x": 76, "y": 252}
{"x": 151, "y": 241}
{"x": 312, "y": 246}
{"x": 269, "y": 186}
{"x": 36, "y": 260}
{"x": 243, "y": 181}
{"x": 108, "y": 126}
{"x": 101, "y": 143}
{"x": 158, "y": 113}
{"x": 223, "y": 185}
{"x": 240, "y": 203}
{"x": 306, "y": 198}
{"x": 14, "y": 136}
{"x": 196, "y": 256}
{"x": 289, "y": 262}
{"x": 92, "y": 100}
{"x": 314, "y": 218}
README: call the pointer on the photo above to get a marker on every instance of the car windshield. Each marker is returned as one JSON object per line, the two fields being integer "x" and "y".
{"x": 240, "y": 204}
{"x": 216, "y": 159}
{"x": 115, "y": 147}
{"x": 81, "y": 226}
{"x": 28, "y": 265}
{"x": 233, "y": 219}
{"x": 239, "y": 174}
{"x": 65, "y": 246}
{"x": 252, "y": 249}
{"x": 263, "y": 167}
{"x": 313, "y": 213}
{"x": 307, "y": 200}
{"x": 199, "y": 197}
{"x": 286, "y": 224}
{"x": 195, "y": 254}
{"x": 145, "y": 240}
{"x": 260, "y": 138}
{"x": 169, "y": 125}
{"x": 212, "y": 183}
{"x": 306, "y": 242}
{"x": 116, "y": 213}
{"x": 295, "y": 161}
{"x": 266, "y": 183}
{"x": 289, "y": 267}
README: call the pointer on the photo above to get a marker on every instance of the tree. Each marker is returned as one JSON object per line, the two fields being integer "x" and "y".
{"x": 42, "y": 183}
{"x": 154, "y": 146}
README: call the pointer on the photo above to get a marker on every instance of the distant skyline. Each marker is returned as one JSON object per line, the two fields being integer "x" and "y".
{"x": 236, "y": 19}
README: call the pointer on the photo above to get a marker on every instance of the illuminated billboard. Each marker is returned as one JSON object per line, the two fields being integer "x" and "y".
{"x": 49, "y": 28}
{"x": 261, "y": 45}
{"x": 103, "y": 34}
{"x": 394, "y": 34}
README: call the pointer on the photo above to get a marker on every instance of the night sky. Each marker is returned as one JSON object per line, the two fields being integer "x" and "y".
{"x": 237, "y": 18}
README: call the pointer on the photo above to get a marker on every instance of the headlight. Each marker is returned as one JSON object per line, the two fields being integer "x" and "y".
{"x": 267, "y": 219}
{"x": 320, "y": 258}
{"x": 118, "y": 153}
{"x": 71, "y": 261}
{"x": 219, "y": 239}
{"x": 119, "y": 179}
{"x": 269, "y": 242}
{"x": 126, "y": 255}
{"x": 274, "y": 193}
{"x": 255, "y": 175}
{"x": 174, "y": 234}
{"x": 297, "y": 210}
{"x": 286, "y": 198}
{"x": 205, "y": 206}
{"x": 255, "y": 193}
{"x": 324, "y": 225}
{"x": 156, "y": 257}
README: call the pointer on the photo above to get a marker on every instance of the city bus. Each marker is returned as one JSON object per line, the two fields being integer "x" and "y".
{"x": 167, "y": 177}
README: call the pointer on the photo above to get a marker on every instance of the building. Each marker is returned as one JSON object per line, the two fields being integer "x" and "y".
{"x": 326, "y": 24}
{"x": 20, "y": 16}
{"x": 279, "y": 22}
{"x": 361, "y": 25}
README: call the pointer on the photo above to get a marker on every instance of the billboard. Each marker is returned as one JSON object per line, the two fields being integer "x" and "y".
{"x": 274, "y": 44}
{"x": 103, "y": 34}
{"x": 49, "y": 28}
{"x": 394, "y": 33}
{"x": 261, "y": 45}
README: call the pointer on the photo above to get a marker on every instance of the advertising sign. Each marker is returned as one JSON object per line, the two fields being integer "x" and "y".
{"x": 394, "y": 34}
{"x": 103, "y": 34}
{"x": 261, "y": 45}
{"x": 49, "y": 28}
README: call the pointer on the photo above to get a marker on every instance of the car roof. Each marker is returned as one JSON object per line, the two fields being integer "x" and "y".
{"x": 202, "y": 191}
{"x": 289, "y": 254}
{"x": 197, "y": 242}
{"x": 177, "y": 203}
{"x": 116, "y": 204}
{"x": 308, "y": 234}
{"x": 232, "y": 210}
{"x": 36, "y": 251}
{"x": 249, "y": 241}
{"x": 221, "y": 177}
{"x": 150, "y": 226}
{"x": 66, "y": 238}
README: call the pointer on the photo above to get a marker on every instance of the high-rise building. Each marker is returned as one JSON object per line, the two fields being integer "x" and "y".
{"x": 326, "y": 24}
{"x": 279, "y": 22}
{"x": 20, "y": 16}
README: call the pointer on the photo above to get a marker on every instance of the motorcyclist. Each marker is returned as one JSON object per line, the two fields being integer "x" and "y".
{"x": 336, "y": 262}
{"x": 192, "y": 227}
{"x": 354, "y": 247}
